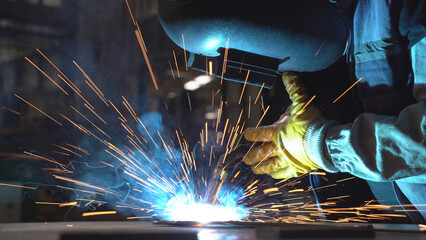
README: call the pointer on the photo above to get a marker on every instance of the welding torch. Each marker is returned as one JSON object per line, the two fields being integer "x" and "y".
{"x": 226, "y": 165}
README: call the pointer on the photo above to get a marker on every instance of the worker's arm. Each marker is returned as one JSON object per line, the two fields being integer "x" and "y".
{"x": 375, "y": 147}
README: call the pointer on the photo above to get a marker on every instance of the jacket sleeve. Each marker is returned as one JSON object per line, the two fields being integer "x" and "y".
{"x": 377, "y": 147}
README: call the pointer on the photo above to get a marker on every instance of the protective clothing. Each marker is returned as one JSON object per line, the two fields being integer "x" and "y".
{"x": 379, "y": 145}
{"x": 285, "y": 156}
{"x": 386, "y": 142}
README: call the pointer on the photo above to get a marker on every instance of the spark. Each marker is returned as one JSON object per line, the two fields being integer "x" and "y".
{"x": 165, "y": 102}
{"x": 18, "y": 186}
{"x": 48, "y": 77}
{"x": 70, "y": 84}
{"x": 241, "y": 66}
{"x": 84, "y": 184}
{"x": 171, "y": 69}
{"x": 99, "y": 213}
{"x": 94, "y": 125}
{"x": 387, "y": 215}
{"x": 62, "y": 153}
{"x": 189, "y": 102}
{"x": 76, "y": 90}
{"x": 184, "y": 53}
{"x": 347, "y": 90}
{"x": 92, "y": 85}
{"x": 340, "y": 197}
{"x": 67, "y": 81}
{"x": 260, "y": 90}
{"x": 207, "y": 133}
{"x": 211, "y": 154}
{"x": 244, "y": 86}
{"x": 295, "y": 190}
{"x": 210, "y": 68}
{"x": 116, "y": 109}
{"x": 100, "y": 94}
{"x": 207, "y": 67}
{"x": 327, "y": 186}
{"x": 48, "y": 203}
{"x": 219, "y": 116}
{"x": 176, "y": 64}
{"x": 129, "y": 108}
{"x": 68, "y": 150}
{"x": 140, "y": 39}
{"x": 68, "y": 204}
{"x": 239, "y": 118}
{"x": 321, "y": 46}
{"x": 252, "y": 184}
{"x": 130, "y": 11}
{"x": 74, "y": 124}
{"x": 310, "y": 100}
{"x": 249, "y": 107}
{"x": 224, "y": 131}
{"x": 269, "y": 190}
{"x": 345, "y": 179}
{"x": 10, "y": 110}
{"x": 146, "y": 130}
{"x": 202, "y": 139}
{"x": 213, "y": 97}
{"x": 225, "y": 61}
{"x": 144, "y": 52}
{"x": 45, "y": 114}
{"x": 263, "y": 115}
{"x": 46, "y": 159}
{"x": 242, "y": 127}
{"x": 301, "y": 110}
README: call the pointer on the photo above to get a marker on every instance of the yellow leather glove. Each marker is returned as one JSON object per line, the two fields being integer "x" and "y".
{"x": 283, "y": 153}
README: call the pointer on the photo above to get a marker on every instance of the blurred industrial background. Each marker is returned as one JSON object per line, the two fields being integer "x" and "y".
{"x": 98, "y": 35}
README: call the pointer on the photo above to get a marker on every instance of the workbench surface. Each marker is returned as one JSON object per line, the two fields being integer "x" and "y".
{"x": 147, "y": 230}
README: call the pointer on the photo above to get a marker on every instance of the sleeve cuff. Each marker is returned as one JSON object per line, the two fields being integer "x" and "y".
{"x": 314, "y": 144}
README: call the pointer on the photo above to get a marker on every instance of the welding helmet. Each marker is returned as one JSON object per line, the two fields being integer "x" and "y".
{"x": 266, "y": 37}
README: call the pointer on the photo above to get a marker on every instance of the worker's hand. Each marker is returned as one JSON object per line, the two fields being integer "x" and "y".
{"x": 283, "y": 153}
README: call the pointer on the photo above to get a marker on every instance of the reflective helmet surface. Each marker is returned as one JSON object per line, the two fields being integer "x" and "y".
{"x": 308, "y": 35}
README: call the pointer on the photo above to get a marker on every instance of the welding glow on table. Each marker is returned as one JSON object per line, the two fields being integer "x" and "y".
{"x": 183, "y": 209}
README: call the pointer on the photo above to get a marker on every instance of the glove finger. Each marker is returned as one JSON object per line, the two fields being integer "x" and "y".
{"x": 268, "y": 166}
{"x": 261, "y": 153}
{"x": 260, "y": 134}
{"x": 284, "y": 173}
{"x": 296, "y": 91}
{"x": 295, "y": 165}
{"x": 283, "y": 118}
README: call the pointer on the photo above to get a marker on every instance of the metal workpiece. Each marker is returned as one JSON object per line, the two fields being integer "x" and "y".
{"x": 245, "y": 231}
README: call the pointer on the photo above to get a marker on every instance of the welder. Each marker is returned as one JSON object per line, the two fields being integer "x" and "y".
{"x": 385, "y": 47}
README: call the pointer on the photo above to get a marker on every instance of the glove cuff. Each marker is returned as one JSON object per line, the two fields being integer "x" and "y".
{"x": 314, "y": 143}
